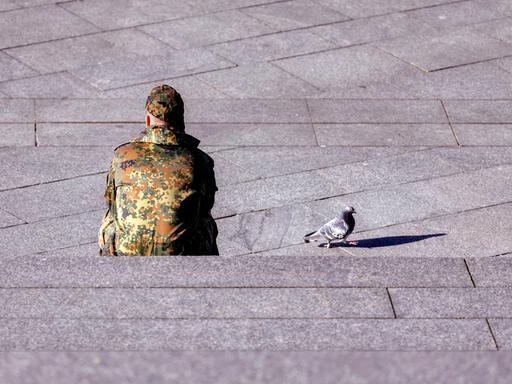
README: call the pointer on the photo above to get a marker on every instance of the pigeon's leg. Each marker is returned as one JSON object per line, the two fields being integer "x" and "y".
{"x": 329, "y": 244}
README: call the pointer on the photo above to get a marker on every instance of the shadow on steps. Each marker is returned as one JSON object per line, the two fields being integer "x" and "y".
{"x": 387, "y": 241}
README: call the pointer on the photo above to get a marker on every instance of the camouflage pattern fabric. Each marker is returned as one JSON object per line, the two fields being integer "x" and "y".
{"x": 160, "y": 190}
{"x": 166, "y": 104}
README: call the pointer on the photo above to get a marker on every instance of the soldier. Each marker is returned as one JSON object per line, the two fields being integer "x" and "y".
{"x": 160, "y": 188}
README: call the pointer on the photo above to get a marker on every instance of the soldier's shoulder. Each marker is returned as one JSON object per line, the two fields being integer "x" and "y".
{"x": 203, "y": 158}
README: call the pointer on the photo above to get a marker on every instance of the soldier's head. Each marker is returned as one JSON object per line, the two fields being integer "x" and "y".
{"x": 164, "y": 107}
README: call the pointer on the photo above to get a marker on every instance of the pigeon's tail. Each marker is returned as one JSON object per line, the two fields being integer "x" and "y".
{"x": 309, "y": 237}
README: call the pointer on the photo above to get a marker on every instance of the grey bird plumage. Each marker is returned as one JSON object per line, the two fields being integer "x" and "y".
{"x": 338, "y": 228}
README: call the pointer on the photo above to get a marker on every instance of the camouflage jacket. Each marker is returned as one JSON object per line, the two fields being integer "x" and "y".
{"x": 160, "y": 190}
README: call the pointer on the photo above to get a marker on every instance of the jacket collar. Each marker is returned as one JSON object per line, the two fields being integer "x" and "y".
{"x": 166, "y": 136}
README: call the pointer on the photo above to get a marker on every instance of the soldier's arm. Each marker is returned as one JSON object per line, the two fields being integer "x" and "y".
{"x": 209, "y": 185}
{"x": 106, "y": 235}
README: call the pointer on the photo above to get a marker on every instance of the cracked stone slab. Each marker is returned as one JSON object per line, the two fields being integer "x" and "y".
{"x": 116, "y": 74}
{"x": 210, "y": 334}
{"x": 58, "y": 85}
{"x": 484, "y": 134}
{"x": 225, "y": 271}
{"x": 90, "y": 110}
{"x": 42, "y": 165}
{"x": 479, "y": 111}
{"x": 261, "y": 80}
{"x": 246, "y": 111}
{"x": 16, "y": 135}
{"x": 12, "y": 69}
{"x": 258, "y": 367}
{"x": 33, "y": 25}
{"x": 182, "y": 303}
{"x": 16, "y": 111}
{"x": 491, "y": 272}
{"x": 384, "y": 134}
{"x": 294, "y": 14}
{"x": 253, "y": 134}
{"x": 452, "y": 302}
{"x": 222, "y": 26}
{"x": 76, "y": 52}
{"x": 271, "y": 47}
{"x": 129, "y": 14}
{"x": 502, "y": 329}
{"x": 376, "y": 111}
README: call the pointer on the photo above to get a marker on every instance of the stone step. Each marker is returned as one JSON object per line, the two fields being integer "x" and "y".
{"x": 224, "y": 271}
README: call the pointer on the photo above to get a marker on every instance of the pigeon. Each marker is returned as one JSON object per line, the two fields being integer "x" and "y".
{"x": 338, "y": 228}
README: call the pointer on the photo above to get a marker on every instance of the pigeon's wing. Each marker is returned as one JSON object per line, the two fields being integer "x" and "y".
{"x": 313, "y": 236}
{"x": 334, "y": 229}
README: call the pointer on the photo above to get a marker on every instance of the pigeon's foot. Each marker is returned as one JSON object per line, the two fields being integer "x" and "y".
{"x": 329, "y": 245}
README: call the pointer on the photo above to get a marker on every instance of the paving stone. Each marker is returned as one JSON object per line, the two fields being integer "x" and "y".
{"x": 181, "y": 303}
{"x": 384, "y": 134}
{"x": 221, "y": 5}
{"x": 469, "y": 159}
{"x": 253, "y": 134}
{"x": 464, "y": 234}
{"x": 16, "y": 111}
{"x": 371, "y": 29}
{"x": 8, "y": 5}
{"x": 128, "y": 14}
{"x": 226, "y": 271}
{"x": 456, "y": 14}
{"x": 58, "y": 85}
{"x": 227, "y": 173}
{"x": 99, "y": 134}
{"x": 76, "y": 52}
{"x": 135, "y": 71}
{"x": 479, "y": 111}
{"x": 369, "y": 90}
{"x": 502, "y": 329}
{"x": 499, "y": 29}
{"x": 484, "y": 134}
{"x": 491, "y": 272}
{"x": 451, "y": 302}
{"x": 376, "y": 111}
{"x": 501, "y": 6}
{"x": 16, "y": 135}
{"x": 50, "y": 234}
{"x": 24, "y": 166}
{"x": 345, "y": 67}
{"x": 89, "y": 249}
{"x": 13, "y": 69}
{"x": 33, "y": 25}
{"x": 154, "y": 335}
{"x": 271, "y": 47}
{"x": 222, "y": 26}
{"x": 246, "y": 111}
{"x": 189, "y": 87}
{"x": 258, "y": 367}
{"x": 90, "y": 110}
{"x": 260, "y": 80}
{"x": 294, "y": 14}
{"x": 56, "y": 199}
{"x": 7, "y": 220}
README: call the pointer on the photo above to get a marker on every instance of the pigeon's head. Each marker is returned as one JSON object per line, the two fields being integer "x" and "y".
{"x": 348, "y": 211}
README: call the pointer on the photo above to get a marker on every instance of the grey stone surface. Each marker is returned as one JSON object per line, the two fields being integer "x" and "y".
{"x": 377, "y": 111}
{"x": 16, "y": 135}
{"x": 90, "y": 110}
{"x": 491, "y": 272}
{"x": 7, "y": 220}
{"x": 451, "y": 302}
{"x": 226, "y": 271}
{"x": 502, "y": 6}
{"x": 16, "y": 111}
{"x": 499, "y": 29}
{"x": 17, "y": 26}
{"x": 246, "y": 111}
{"x": 43, "y": 165}
{"x": 129, "y": 14}
{"x": 479, "y": 111}
{"x": 271, "y": 47}
{"x": 227, "y": 172}
{"x": 13, "y": 69}
{"x": 183, "y": 303}
{"x": 262, "y": 80}
{"x": 60, "y": 84}
{"x": 384, "y": 134}
{"x": 222, "y": 26}
{"x": 294, "y": 14}
{"x": 484, "y": 134}
{"x": 257, "y": 367}
{"x": 469, "y": 159}
{"x": 50, "y": 234}
{"x": 208, "y": 334}
{"x": 76, "y": 52}
{"x": 253, "y": 134}
{"x": 82, "y": 134}
{"x": 502, "y": 329}
{"x": 117, "y": 74}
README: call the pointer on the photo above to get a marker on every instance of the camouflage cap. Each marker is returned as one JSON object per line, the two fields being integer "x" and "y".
{"x": 166, "y": 104}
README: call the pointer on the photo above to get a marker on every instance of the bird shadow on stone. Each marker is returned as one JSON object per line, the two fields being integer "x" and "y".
{"x": 387, "y": 241}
